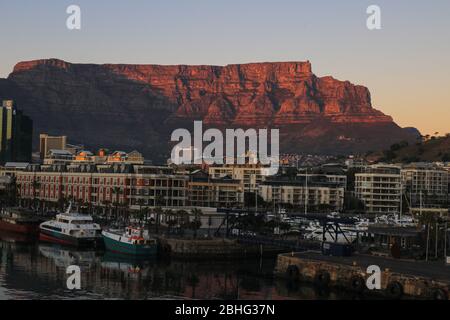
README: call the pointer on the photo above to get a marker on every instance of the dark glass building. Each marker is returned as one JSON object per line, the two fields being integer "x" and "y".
{"x": 16, "y": 131}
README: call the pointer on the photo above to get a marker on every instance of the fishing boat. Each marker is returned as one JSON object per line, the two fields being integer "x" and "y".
{"x": 19, "y": 221}
{"x": 70, "y": 228}
{"x": 132, "y": 241}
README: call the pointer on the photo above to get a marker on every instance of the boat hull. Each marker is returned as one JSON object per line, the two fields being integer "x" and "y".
{"x": 29, "y": 229}
{"x": 60, "y": 238}
{"x": 129, "y": 249}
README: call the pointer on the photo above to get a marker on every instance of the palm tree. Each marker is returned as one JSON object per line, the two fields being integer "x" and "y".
{"x": 116, "y": 191}
{"x": 158, "y": 212}
{"x": 36, "y": 185}
{"x": 181, "y": 218}
{"x": 168, "y": 217}
{"x": 196, "y": 223}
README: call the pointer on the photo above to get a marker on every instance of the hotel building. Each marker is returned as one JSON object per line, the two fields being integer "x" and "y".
{"x": 98, "y": 185}
{"x": 319, "y": 194}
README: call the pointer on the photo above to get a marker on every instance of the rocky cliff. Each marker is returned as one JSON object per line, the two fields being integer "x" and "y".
{"x": 137, "y": 106}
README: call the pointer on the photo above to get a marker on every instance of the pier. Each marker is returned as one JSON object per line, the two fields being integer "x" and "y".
{"x": 399, "y": 278}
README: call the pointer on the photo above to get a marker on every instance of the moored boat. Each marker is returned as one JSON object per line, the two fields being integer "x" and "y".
{"x": 132, "y": 241}
{"x": 19, "y": 220}
{"x": 72, "y": 229}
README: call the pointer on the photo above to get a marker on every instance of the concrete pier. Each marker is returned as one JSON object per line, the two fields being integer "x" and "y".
{"x": 428, "y": 280}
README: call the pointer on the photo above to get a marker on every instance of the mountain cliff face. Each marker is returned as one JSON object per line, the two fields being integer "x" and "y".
{"x": 137, "y": 106}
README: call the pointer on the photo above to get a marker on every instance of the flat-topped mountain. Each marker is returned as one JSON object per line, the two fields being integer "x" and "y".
{"x": 137, "y": 106}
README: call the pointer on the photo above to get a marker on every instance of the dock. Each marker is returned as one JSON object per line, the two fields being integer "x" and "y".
{"x": 399, "y": 278}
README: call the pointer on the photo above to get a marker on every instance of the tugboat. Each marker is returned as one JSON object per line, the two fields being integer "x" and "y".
{"x": 73, "y": 229}
{"x": 134, "y": 241}
{"x": 19, "y": 220}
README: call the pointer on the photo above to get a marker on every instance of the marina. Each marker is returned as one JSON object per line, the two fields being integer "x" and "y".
{"x": 132, "y": 253}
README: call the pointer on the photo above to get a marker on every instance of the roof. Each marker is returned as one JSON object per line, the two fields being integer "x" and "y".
{"x": 19, "y": 165}
{"x": 60, "y": 152}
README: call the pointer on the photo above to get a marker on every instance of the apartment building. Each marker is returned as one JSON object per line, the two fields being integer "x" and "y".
{"x": 320, "y": 195}
{"x": 426, "y": 184}
{"x": 379, "y": 188}
{"x": 204, "y": 191}
{"x": 249, "y": 175}
{"x": 98, "y": 185}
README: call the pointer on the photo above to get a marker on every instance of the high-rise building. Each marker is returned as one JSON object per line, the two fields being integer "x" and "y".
{"x": 16, "y": 131}
{"x": 47, "y": 143}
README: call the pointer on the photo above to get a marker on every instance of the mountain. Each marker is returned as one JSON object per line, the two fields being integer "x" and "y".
{"x": 137, "y": 106}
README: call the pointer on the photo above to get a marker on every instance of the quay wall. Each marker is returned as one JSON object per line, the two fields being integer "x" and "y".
{"x": 213, "y": 248}
{"x": 353, "y": 278}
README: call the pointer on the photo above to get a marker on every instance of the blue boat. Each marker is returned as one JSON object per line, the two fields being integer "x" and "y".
{"x": 132, "y": 241}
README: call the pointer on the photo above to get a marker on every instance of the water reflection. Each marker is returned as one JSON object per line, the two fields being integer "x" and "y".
{"x": 30, "y": 270}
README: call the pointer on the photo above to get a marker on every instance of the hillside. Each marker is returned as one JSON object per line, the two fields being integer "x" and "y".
{"x": 434, "y": 149}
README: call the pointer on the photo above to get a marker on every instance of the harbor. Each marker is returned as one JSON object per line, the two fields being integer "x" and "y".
{"x": 336, "y": 262}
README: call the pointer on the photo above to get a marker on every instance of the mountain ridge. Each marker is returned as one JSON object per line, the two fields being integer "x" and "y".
{"x": 137, "y": 106}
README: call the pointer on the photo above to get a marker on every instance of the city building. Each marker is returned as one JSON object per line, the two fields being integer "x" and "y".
{"x": 57, "y": 156}
{"x": 133, "y": 186}
{"x": 204, "y": 191}
{"x": 47, "y": 143}
{"x": 379, "y": 188}
{"x": 249, "y": 175}
{"x": 317, "y": 193}
{"x": 16, "y": 131}
{"x": 426, "y": 184}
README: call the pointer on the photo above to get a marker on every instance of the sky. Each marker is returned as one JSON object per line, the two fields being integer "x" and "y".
{"x": 405, "y": 64}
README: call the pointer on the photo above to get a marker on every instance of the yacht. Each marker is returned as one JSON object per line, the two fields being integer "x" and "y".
{"x": 70, "y": 228}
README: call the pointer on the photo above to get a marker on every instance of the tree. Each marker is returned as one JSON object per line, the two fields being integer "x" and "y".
{"x": 158, "y": 211}
{"x": 196, "y": 223}
{"x": 182, "y": 218}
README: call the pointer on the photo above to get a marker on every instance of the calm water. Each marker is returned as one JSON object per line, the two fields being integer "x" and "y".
{"x": 32, "y": 270}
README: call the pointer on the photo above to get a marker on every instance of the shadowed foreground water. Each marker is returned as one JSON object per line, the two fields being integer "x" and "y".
{"x": 32, "y": 270}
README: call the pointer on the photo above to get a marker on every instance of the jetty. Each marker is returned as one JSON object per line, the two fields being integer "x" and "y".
{"x": 399, "y": 278}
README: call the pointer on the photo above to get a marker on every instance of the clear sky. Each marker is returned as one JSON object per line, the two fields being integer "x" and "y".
{"x": 406, "y": 64}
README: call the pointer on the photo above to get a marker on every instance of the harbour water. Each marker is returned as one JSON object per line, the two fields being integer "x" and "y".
{"x": 33, "y": 270}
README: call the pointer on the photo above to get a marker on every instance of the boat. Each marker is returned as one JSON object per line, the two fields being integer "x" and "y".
{"x": 70, "y": 228}
{"x": 19, "y": 220}
{"x": 132, "y": 241}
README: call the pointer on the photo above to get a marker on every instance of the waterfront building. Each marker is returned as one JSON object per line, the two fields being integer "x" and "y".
{"x": 204, "y": 191}
{"x": 317, "y": 194}
{"x": 133, "y": 186}
{"x": 249, "y": 175}
{"x": 11, "y": 168}
{"x": 16, "y": 130}
{"x": 338, "y": 179}
{"x": 426, "y": 184}
{"x": 379, "y": 188}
